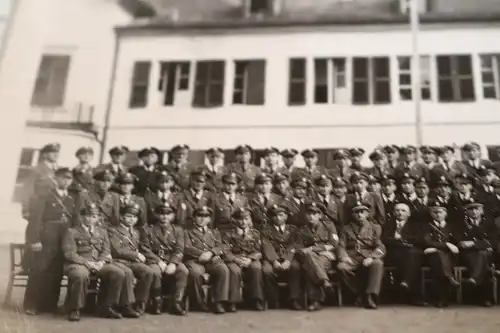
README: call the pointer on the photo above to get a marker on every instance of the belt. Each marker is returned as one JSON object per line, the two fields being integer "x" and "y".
{"x": 60, "y": 221}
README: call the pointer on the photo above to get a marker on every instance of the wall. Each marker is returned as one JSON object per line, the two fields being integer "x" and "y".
{"x": 312, "y": 125}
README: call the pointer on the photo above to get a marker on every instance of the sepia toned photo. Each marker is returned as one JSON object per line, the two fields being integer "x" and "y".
{"x": 245, "y": 166}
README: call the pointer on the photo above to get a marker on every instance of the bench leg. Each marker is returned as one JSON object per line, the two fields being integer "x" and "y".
{"x": 339, "y": 295}
{"x": 8, "y": 294}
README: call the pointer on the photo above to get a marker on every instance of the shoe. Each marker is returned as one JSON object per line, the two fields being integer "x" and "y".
{"x": 327, "y": 285}
{"x": 259, "y": 306}
{"x": 74, "y": 315}
{"x": 178, "y": 310}
{"x": 110, "y": 313}
{"x": 314, "y": 306}
{"x": 31, "y": 312}
{"x": 487, "y": 304}
{"x": 128, "y": 312}
{"x": 471, "y": 281}
{"x": 232, "y": 308}
{"x": 157, "y": 306}
{"x": 296, "y": 305}
{"x": 404, "y": 285}
{"x": 370, "y": 302}
{"x": 453, "y": 282}
{"x": 140, "y": 308}
{"x": 219, "y": 309}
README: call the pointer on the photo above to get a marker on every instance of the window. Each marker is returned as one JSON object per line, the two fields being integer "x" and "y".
{"x": 490, "y": 75}
{"x": 27, "y": 161}
{"x": 297, "y": 82}
{"x": 209, "y": 84}
{"x": 423, "y": 6}
{"x": 371, "y": 81}
{"x": 50, "y": 84}
{"x": 249, "y": 82}
{"x": 456, "y": 83}
{"x": 140, "y": 84}
{"x": 405, "y": 75}
{"x": 174, "y": 76}
{"x": 328, "y": 73}
{"x": 259, "y": 6}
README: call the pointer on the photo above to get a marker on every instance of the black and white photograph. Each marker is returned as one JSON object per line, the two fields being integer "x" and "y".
{"x": 276, "y": 166}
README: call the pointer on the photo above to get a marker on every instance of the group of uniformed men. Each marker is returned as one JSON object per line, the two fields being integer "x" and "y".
{"x": 155, "y": 232}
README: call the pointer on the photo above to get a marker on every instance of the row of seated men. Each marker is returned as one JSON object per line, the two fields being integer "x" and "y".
{"x": 351, "y": 235}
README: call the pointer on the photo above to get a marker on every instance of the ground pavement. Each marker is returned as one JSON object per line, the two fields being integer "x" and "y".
{"x": 330, "y": 320}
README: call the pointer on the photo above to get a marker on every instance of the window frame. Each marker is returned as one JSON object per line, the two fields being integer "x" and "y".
{"x": 494, "y": 71}
{"x": 208, "y": 83}
{"x": 332, "y": 78}
{"x": 297, "y": 81}
{"x": 242, "y": 77}
{"x": 409, "y": 73}
{"x": 46, "y": 95}
{"x": 138, "y": 83}
{"x": 456, "y": 78}
{"x": 371, "y": 80}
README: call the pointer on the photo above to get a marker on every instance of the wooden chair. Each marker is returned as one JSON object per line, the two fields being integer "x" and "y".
{"x": 18, "y": 277}
{"x": 459, "y": 273}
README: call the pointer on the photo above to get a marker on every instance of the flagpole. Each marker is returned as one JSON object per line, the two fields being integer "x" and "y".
{"x": 416, "y": 86}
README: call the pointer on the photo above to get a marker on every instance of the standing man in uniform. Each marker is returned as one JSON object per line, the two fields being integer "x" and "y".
{"x": 271, "y": 161}
{"x": 288, "y": 156}
{"x": 393, "y": 157}
{"x": 278, "y": 250}
{"x": 163, "y": 246}
{"x": 323, "y": 195}
{"x": 356, "y": 158}
{"x": 179, "y": 167}
{"x": 52, "y": 213}
{"x": 380, "y": 166}
{"x": 118, "y": 155}
{"x": 243, "y": 258}
{"x": 87, "y": 252}
{"x": 159, "y": 194}
{"x": 214, "y": 169}
{"x": 311, "y": 170}
{"x": 146, "y": 170}
{"x": 295, "y": 203}
{"x": 205, "y": 252}
{"x": 193, "y": 197}
{"x": 342, "y": 166}
{"x": 317, "y": 242}
{"x": 281, "y": 186}
{"x": 244, "y": 168}
{"x": 83, "y": 173}
{"x": 360, "y": 256}
{"x": 262, "y": 199}
{"x": 125, "y": 183}
{"x": 359, "y": 183}
{"x": 226, "y": 202}
{"x": 410, "y": 164}
{"x": 125, "y": 250}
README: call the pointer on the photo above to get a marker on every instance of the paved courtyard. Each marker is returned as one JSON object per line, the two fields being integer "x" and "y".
{"x": 330, "y": 320}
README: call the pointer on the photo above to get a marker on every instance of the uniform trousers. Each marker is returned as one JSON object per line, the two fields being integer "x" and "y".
{"x": 110, "y": 275}
{"x": 273, "y": 276}
{"x": 224, "y": 278}
{"x": 253, "y": 281}
{"x": 176, "y": 283}
{"x": 144, "y": 278}
{"x": 407, "y": 260}
{"x": 361, "y": 279}
{"x": 46, "y": 271}
{"x": 315, "y": 268}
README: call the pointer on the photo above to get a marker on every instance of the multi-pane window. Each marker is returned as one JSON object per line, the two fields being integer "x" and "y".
{"x": 329, "y": 78}
{"x": 249, "y": 82}
{"x": 371, "y": 80}
{"x": 140, "y": 84}
{"x": 50, "y": 84}
{"x": 490, "y": 75}
{"x": 209, "y": 84}
{"x": 174, "y": 76}
{"x": 423, "y": 6}
{"x": 259, "y": 6}
{"x": 455, "y": 78}
{"x": 297, "y": 81}
{"x": 405, "y": 78}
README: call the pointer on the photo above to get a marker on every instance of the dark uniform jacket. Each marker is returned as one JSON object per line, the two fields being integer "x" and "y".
{"x": 389, "y": 204}
{"x": 214, "y": 176}
{"x": 124, "y": 242}
{"x": 361, "y": 241}
{"x": 416, "y": 170}
{"x": 436, "y": 237}
{"x": 187, "y": 203}
{"x": 50, "y": 208}
{"x": 295, "y": 210}
{"x": 410, "y": 234}
{"x": 247, "y": 174}
{"x": 242, "y": 245}
{"x": 332, "y": 209}
{"x": 372, "y": 199}
{"x": 277, "y": 245}
{"x": 107, "y": 204}
{"x": 79, "y": 246}
{"x": 259, "y": 209}
{"x": 161, "y": 242}
{"x": 223, "y": 210}
{"x": 145, "y": 178}
{"x": 152, "y": 200}
{"x": 83, "y": 177}
{"x": 197, "y": 242}
{"x": 134, "y": 200}
{"x": 318, "y": 236}
{"x": 39, "y": 182}
{"x": 311, "y": 174}
{"x": 379, "y": 173}
{"x": 180, "y": 173}
{"x": 484, "y": 235}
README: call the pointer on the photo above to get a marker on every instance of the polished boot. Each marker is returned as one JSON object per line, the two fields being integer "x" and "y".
{"x": 370, "y": 302}
{"x": 110, "y": 313}
{"x": 128, "y": 312}
{"x": 74, "y": 315}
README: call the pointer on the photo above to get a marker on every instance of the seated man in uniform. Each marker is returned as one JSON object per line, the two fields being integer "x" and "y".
{"x": 163, "y": 246}
{"x": 205, "y": 252}
{"x": 401, "y": 235}
{"x": 87, "y": 252}
{"x": 124, "y": 239}
{"x": 478, "y": 237}
{"x": 244, "y": 251}
{"x": 316, "y": 242}
{"x": 360, "y": 256}
{"x": 278, "y": 249}
{"x": 439, "y": 249}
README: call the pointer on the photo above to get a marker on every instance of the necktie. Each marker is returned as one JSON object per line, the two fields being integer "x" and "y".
{"x": 231, "y": 201}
